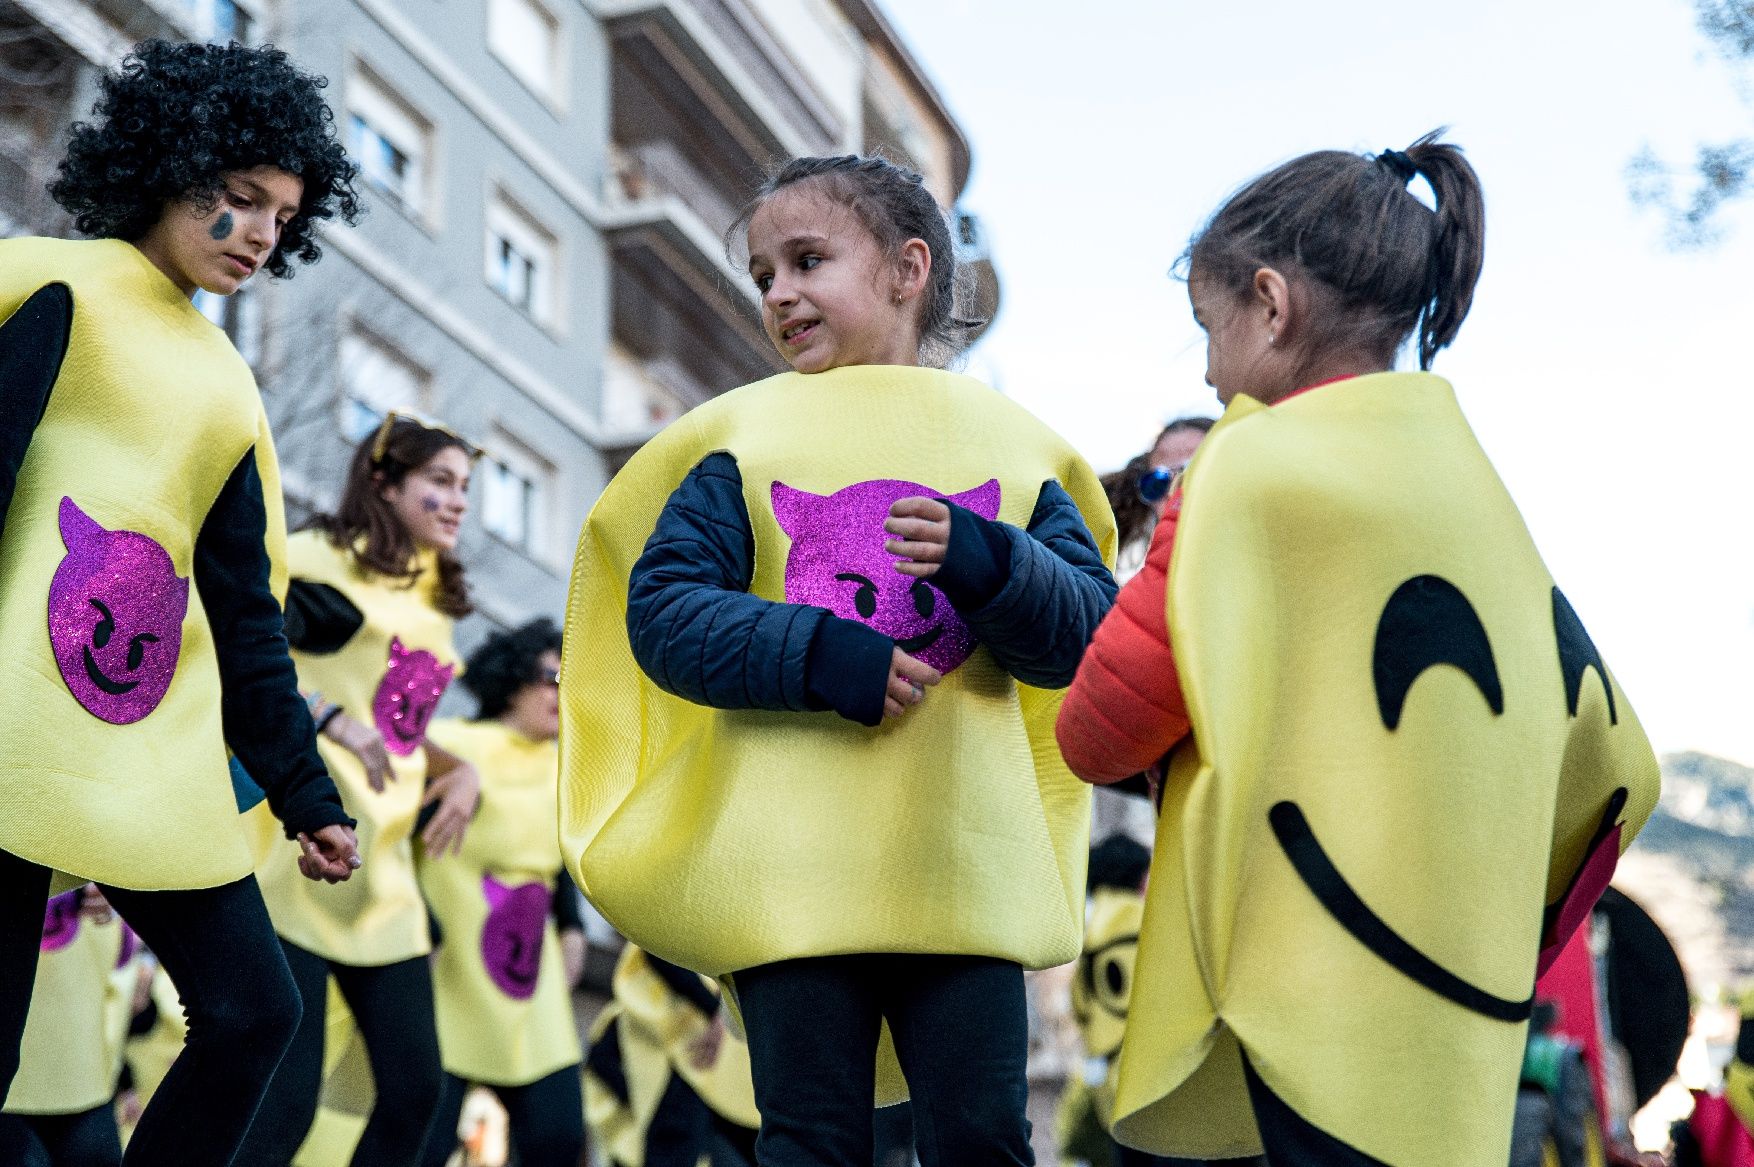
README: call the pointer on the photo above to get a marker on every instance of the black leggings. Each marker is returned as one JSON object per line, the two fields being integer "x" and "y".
{"x": 242, "y": 1006}
{"x": 392, "y": 1006}
{"x": 87, "y": 1139}
{"x": 1292, "y": 1140}
{"x": 960, "y": 1033}
{"x": 547, "y": 1120}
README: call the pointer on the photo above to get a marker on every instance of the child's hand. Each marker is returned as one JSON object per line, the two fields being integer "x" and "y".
{"x": 908, "y": 680}
{"x": 457, "y": 791}
{"x": 922, "y": 530}
{"x": 365, "y": 743}
{"x": 330, "y": 854}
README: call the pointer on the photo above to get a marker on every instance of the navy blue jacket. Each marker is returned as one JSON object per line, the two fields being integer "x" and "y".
{"x": 1032, "y": 598}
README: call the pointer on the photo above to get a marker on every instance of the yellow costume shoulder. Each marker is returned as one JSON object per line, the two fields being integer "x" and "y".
{"x": 1408, "y": 762}
{"x": 110, "y": 736}
{"x": 722, "y": 840}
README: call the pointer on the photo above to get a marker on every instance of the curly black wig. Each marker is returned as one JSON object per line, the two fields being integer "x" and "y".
{"x": 173, "y": 118}
{"x": 506, "y": 662}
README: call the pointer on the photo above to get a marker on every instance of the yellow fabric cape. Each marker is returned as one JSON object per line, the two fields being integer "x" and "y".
{"x": 152, "y": 412}
{"x": 377, "y": 917}
{"x": 486, "y": 1035}
{"x": 80, "y": 1005}
{"x": 655, "y": 1030}
{"x": 723, "y": 840}
{"x": 1305, "y": 619}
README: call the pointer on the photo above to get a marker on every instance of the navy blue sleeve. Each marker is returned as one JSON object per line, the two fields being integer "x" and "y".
{"x": 1034, "y": 597}
{"x": 698, "y": 633}
{"x": 267, "y": 724}
{"x": 33, "y": 343}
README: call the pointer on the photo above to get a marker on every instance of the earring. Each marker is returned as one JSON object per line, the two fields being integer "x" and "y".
{"x": 898, "y": 299}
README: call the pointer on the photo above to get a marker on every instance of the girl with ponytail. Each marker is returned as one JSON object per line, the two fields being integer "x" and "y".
{"x": 1393, "y": 772}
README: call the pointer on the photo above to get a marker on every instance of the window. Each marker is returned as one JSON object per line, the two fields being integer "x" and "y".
{"x": 240, "y": 315}
{"x": 520, "y": 260}
{"x": 526, "y": 38}
{"x": 514, "y": 488}
{"x": 391, "y": 142}
{"x": 220, "y": 21}
{"x": 633, "y": 399}
{"x": 375, "y": 378}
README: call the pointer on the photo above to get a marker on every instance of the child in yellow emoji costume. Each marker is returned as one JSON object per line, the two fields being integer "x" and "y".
{"x": 1404, "y": 771}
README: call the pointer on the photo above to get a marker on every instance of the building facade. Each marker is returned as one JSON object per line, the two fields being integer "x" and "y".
{"x": 545, "y": 263}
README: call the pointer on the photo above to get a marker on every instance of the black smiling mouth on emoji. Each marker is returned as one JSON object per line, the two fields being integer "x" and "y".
{"x": 1429, "y": 622}
{"x": 102, "y": 681}
{"x": 1312, "y": 864}
{"x": 914, "y": 645}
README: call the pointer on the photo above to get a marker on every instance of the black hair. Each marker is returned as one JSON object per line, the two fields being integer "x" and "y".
{"x": 1380, "y": 262}
{"x": 506, "y": 662}
{"x": 894, "y": 205}
{"x": 365, "y": 525}
{"x": 1118, "y": 862}
{"x": 1134, "y": 517}
{"x": 174, "y": 118}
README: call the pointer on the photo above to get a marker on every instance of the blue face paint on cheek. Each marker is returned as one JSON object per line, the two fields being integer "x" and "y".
{"x": 429, "y": 504}
{"x": 222, "y": 226}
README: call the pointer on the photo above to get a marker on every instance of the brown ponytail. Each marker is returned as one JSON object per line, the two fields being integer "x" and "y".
{"x": 1380, "y": 263}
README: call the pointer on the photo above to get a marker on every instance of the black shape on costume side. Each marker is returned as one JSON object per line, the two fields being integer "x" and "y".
{"x": 605, "y": 1061}
{"x": 1331, "y": 890}
{"x": 1428, "y": 621}
{"x": 33, "y": 346}
{"x": 1578, "y": 652}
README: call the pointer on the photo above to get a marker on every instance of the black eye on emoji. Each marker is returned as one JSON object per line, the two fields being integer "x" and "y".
{"x": 106, "y": 627}
{"x": 924, "y": 598}
{"x": 1427, "y": 621}
{"x": 865, "y": 599}
{"x": 1108, "y": 975}
{"x": 137, "y": 649}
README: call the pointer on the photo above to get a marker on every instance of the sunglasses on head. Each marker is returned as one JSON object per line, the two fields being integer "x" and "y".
{"x": 381, "y": 443}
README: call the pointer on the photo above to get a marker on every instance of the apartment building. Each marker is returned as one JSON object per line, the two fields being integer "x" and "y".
{"x": 544, "y": 263}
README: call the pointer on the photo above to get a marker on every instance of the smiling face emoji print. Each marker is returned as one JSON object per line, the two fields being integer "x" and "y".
{"x": 838, "y": 562}
{"x": 116, "y": 608}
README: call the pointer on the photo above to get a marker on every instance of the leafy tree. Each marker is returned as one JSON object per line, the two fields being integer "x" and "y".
{"x": 1722, "y": 172}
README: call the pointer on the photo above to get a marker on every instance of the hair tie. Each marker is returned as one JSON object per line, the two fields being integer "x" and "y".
{"x": 1399, "y": 165}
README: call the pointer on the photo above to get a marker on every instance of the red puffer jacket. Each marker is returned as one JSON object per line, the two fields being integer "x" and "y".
{"x": 1125, "y": 708}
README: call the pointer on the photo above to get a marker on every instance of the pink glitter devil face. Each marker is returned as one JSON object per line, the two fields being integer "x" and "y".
{"x": 407, "y": 696}
{"x": 838, "y": 562}
{"x": 61, "y": 920}
{"x": 116, "y": 610}
{"x": 511, "y": 939}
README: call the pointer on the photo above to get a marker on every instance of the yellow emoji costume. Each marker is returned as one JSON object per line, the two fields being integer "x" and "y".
{"x": 499, "y": 982}
{"x": 376, "y": 917}
{"x": 726, "y": 839}
{"x": 1404, "y": 749}
{"x": 113, "y": 766}
{"x": 641, "y": 1041}
{"x": 71, "y": 1054}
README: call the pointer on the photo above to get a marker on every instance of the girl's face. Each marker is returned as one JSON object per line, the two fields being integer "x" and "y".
{"x": 1236, "y": 339}
{"x": 218, "y": 248}
{"x": 534, "y": 709}
{"x": 830, "y": 296}
{"x": 432, "y": 499}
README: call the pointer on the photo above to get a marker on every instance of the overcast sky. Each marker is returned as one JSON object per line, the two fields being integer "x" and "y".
{"x": 1608, "y": 377}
